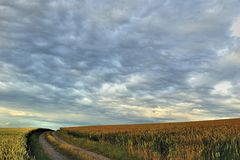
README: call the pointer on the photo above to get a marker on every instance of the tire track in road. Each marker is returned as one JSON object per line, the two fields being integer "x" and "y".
{"x": 95, "y": 156}
{"x": 49, "y": 150}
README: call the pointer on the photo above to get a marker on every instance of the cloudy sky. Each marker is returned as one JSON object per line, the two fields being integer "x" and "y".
{"x": 88, "y": 62}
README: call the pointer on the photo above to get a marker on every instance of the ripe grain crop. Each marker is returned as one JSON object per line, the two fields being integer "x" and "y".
{"x": 13, "y": 144}
{"x": 219, "y": 139}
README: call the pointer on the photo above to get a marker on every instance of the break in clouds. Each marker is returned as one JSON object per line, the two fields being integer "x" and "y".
{"x": 87, "y": 62}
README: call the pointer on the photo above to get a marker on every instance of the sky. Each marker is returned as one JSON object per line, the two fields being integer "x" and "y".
{"x": 88, "y": 62}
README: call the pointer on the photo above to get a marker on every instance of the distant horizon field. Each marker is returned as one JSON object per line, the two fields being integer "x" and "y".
{"x": 121, "y": 124}
{"x": 146, "y": 123}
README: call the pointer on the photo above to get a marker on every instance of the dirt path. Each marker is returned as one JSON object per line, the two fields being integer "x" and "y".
{"x": 49, "y": 150}
{"x": 92, "y": 154}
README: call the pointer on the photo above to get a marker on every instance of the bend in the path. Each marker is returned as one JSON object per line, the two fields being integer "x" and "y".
{"x": 49, "y": 150}
{"x": 92, "y": 154}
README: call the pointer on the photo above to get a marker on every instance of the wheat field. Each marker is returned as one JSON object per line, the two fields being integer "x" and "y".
{"x": 219, "y": 139}
{"x": 13, "y": 144}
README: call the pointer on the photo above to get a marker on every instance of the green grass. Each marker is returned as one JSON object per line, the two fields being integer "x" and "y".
{"x": 111, "y": 151}
{"x": 36, "y": 150}
{"x": 67, "y": 149}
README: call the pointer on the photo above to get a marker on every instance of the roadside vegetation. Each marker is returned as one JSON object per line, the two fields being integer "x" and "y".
{"x": 13, "y": 144}
{"x": 36, "y": 152}
{"x": 219, "y": 139}
{"x": 103, "y": 148}
{"x": 67, "y": 149}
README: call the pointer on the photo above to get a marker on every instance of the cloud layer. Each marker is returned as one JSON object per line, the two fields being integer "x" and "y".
{"x": 105, "y": 62}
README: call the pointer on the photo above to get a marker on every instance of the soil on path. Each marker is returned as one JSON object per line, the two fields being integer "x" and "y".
{"x": 54, "y": 155}
{"x": 91, "y": 154}
{"x": 49, "y": 150}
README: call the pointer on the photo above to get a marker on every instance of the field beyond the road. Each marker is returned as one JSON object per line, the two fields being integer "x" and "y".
{"x": 216, "y": 139}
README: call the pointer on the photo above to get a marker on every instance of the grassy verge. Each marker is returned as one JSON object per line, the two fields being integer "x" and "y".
{"x": 35, "y": 150}
{"x": 67, "y": 149}
{"x": 100, "y": 147}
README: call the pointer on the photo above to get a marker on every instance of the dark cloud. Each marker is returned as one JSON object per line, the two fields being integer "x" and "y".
{"x": 118, "y": 62}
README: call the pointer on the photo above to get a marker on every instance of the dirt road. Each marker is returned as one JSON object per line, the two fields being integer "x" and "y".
{"x": 54, "y": 155}
{"x": 95, "y": 156}
{"x": 49, "y": 150}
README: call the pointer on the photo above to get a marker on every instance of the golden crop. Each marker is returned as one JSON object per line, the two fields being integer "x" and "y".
{"x": 219, "y": 139}
{"x": 13, "y": 144}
